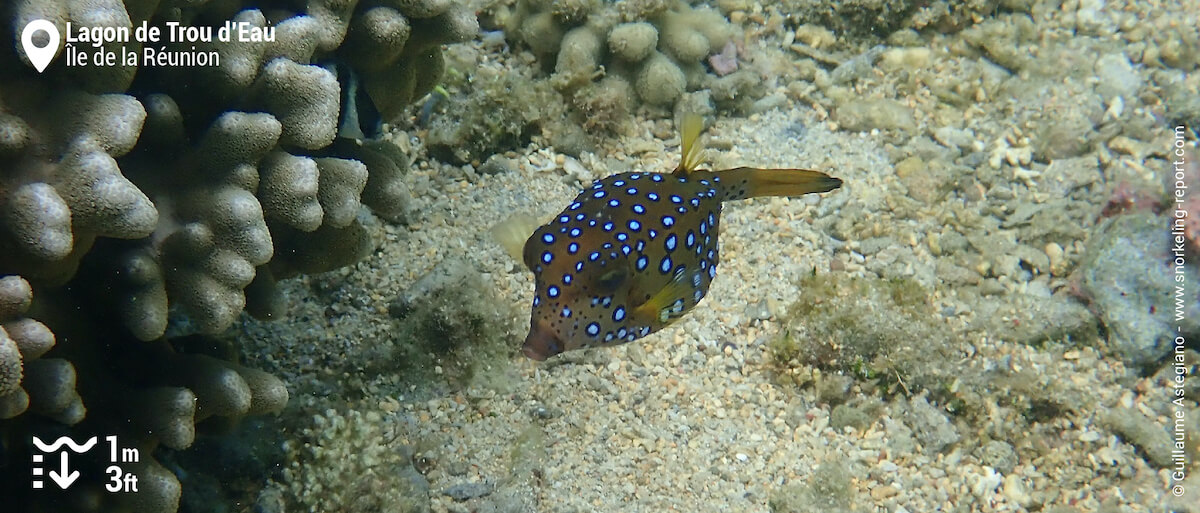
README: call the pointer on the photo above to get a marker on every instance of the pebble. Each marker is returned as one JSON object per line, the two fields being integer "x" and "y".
{"x": 1016, "y": 491}
{"x": 984, "y": 484}
{"x": 467, "y": 491}
{"x": 884, "y": 491}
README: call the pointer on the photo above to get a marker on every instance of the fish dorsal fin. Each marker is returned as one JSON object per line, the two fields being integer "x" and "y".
{"x": 668, "y": 302}
{"x": 689, "y": 135}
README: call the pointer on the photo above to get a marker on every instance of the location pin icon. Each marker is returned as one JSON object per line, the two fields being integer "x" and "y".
{"x": 40, "y": 57}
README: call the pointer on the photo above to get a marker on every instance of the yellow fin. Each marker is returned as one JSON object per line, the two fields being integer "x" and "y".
{"x": 662, "y": 305}
{"x": 689, "y": 135}
{"x": 752, "y": 182}
{"x": 512, "y": 233}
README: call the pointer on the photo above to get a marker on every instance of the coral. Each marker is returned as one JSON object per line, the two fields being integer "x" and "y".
{"x": 660, "y": 47}
{"x": 26, "y": 381}
{"x": 578, "y": 57}
{"x": 632, "y": 42}
{"x": 660, "y": 82}
{"x": 139, "y": 203}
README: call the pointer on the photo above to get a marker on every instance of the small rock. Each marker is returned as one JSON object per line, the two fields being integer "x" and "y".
{"x": 998, "y": 454}
{"x": 983, "y": 485}
{"x": 1064, "y": 176}
{"x": 1015, "y": 490}
{"x": 497, "y": 164}
{"x": 930, "y": 425}
{"x": 1143, "y": 432}
{"x": 758, "y": 311}
{"x": 858, "y": 66}
{"x": 1116, "y": 77}
{"x": 880, "y": 113}
{"x": 467, "y": 491}
{"x": 1124, "y": 277}
{"x": 954, "y": 137}
{"x": 883, "y": 492}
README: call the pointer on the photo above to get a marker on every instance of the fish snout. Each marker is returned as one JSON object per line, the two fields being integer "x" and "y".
{"x": 541, "y": 343}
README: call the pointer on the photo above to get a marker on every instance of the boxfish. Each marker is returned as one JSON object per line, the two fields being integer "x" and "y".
{"x": 638, "y": 250}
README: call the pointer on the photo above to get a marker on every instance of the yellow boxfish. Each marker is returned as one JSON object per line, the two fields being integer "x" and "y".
{"x": 638, "y": 250}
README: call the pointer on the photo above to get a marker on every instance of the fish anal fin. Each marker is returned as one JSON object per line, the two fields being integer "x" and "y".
{"x": 689, "y": 136}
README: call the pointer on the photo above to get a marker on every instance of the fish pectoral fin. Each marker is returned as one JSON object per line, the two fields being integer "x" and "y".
{"x": 669, "y": 301}
{"x": 689, "y": 137}
{"x": 513, "y": 235}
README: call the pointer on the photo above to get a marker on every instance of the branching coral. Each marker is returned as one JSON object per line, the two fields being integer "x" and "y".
{"x": 137, "y": 201}
{"x": 658, "y": 47}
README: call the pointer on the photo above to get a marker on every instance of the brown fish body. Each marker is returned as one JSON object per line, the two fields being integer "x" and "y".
{"x": 637, "y": 250}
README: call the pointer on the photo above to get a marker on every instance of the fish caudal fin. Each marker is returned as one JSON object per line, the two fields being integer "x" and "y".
{"x": 689, "y": 140}
{"x": 751, "y": 182}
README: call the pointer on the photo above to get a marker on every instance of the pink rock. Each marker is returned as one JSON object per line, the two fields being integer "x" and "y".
{"x": 725, "y": 62}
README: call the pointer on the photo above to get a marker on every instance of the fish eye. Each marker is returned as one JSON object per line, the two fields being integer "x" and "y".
{"x": 613, "y": 279}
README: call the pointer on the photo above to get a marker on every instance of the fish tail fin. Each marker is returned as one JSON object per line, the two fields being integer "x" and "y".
{"x": 751, "y": 182}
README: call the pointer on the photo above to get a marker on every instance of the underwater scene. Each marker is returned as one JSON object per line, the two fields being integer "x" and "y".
{"x": 568, "y": 256}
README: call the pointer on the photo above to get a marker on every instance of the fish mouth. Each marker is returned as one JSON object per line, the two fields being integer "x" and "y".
{"x": 541, "y": 343}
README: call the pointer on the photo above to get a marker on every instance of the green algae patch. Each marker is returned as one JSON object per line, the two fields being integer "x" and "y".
{"x": 493, "y": 113}
{"x": 450, "y": 325}
{"x": 884, "y": 337}
{"x": 828, "y": 489}
{"x": 883, "y": 331}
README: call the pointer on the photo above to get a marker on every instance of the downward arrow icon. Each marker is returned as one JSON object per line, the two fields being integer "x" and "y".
{"x": 65, "y": 476}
